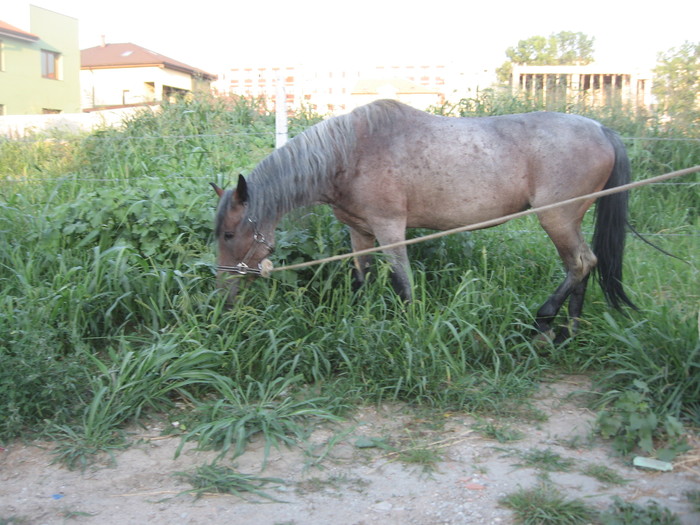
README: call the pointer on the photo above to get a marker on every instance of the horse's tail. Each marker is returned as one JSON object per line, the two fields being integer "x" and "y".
{"x": 610, "y": 228}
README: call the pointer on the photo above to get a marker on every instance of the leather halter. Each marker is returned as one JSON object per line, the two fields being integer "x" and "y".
{"x": 242, "y": 267}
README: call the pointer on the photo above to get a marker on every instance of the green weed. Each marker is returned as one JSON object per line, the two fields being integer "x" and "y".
{"x": 126, "y": 385}
{"x": 544, "y": 504}
{"x": 623, "y": 513}
{"x": 544, "y": 460}
{"x": 339, "y": 482}
{"x": 604, "y": 474}
{"x": 694, "y": 498}
{"x": 502, "y": 433}
{"x": 14, "y": 520}
{"x": 631, "y": 422}
{"x": 273, "y": 411}
{"x": 416, "y": 452}
{"x": 220, "y": 479}
{"x": 72, "y": 514}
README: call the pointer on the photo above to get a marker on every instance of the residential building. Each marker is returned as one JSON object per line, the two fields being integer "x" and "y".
{"x": 114, "y": 75}
{"x": 332, "y": 91}
{"x": 592, "y": 85}
{"x": 40, "y": 67}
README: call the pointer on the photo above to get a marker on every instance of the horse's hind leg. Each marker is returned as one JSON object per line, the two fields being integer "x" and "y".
{"x": 565, "y": 232}
{"x": 575, "y": 309}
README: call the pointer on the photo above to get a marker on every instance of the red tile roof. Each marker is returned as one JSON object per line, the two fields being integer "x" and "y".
{"x": 12, "y": 31}
{"x": 131, "y": 55}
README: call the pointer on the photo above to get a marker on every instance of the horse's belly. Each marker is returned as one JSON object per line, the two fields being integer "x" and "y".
{"x": 447, "y": 210}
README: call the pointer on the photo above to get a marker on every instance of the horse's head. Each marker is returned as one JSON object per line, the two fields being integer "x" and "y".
{"x": 243, "y": 245}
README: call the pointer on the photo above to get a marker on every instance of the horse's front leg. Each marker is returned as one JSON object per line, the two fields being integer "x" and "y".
{"x": 361, "y": 241}
{"x": 401, "y": 273}
{"x": 398, "y": 259}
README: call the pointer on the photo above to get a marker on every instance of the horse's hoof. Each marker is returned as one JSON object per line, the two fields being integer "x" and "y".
{"x": 544, "y": 338}
{"x": 562, "y": 337}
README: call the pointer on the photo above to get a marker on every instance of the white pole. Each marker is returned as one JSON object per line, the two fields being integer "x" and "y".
{"x": 280, "y": 113}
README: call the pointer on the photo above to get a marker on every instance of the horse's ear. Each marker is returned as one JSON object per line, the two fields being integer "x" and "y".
{"x": 218, "y": 190}
{"x": 241, "y": 193}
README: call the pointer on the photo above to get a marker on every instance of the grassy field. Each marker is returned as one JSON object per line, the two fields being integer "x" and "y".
{"x": 108, "y": 309}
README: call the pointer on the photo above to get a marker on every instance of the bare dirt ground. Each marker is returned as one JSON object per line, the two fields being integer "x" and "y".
{"x": 353, "y": 484}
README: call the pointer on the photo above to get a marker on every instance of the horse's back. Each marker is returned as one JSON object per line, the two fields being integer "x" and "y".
{"x": 448, "y": 171}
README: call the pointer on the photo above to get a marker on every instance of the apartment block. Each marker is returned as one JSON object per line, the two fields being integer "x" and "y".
{"x": 332, "y": 91}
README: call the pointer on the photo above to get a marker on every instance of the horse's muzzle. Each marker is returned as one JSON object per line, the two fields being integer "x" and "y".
{"x": 229, "y": 277}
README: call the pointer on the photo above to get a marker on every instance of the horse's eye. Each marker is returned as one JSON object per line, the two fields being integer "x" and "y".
{"x": 228, "y": 236}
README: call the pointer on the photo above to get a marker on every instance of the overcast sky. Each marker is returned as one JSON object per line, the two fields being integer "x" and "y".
{"x": 217, "y": 35}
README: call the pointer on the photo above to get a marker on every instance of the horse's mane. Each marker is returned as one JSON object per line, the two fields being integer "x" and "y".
{"x": 301, "y": 173}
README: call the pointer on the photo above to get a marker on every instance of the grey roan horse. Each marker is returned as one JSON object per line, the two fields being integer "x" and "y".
{"x": 386, "y": 167}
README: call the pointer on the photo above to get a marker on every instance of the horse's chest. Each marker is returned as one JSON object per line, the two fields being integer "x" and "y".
{"x": 353, "y": 220}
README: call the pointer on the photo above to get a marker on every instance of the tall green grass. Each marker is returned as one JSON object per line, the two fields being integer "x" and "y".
{"x": 108, "y": 305}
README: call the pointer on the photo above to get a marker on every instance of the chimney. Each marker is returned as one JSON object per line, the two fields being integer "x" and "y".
{"x": 102, "y": 41}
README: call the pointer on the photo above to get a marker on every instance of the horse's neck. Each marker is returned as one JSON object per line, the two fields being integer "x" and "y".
{"x": 269, "y": 219}
{"x": 275, "y": 203}
{"x": 273, "y": 198}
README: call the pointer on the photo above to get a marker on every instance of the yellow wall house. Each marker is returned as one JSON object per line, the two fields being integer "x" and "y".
{"x": 114, "y": 75}
{"x": 40, "y": 68}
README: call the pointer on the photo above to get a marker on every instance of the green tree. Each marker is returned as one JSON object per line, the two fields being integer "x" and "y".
{"x": 677, "y": 83}
{"x": 563, "y": 48}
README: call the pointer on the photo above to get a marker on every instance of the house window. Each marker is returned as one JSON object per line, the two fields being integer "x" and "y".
{"x": 50, "y": 63}
{"x": 2, "y": 56}
{"x": 150, "y": 95}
